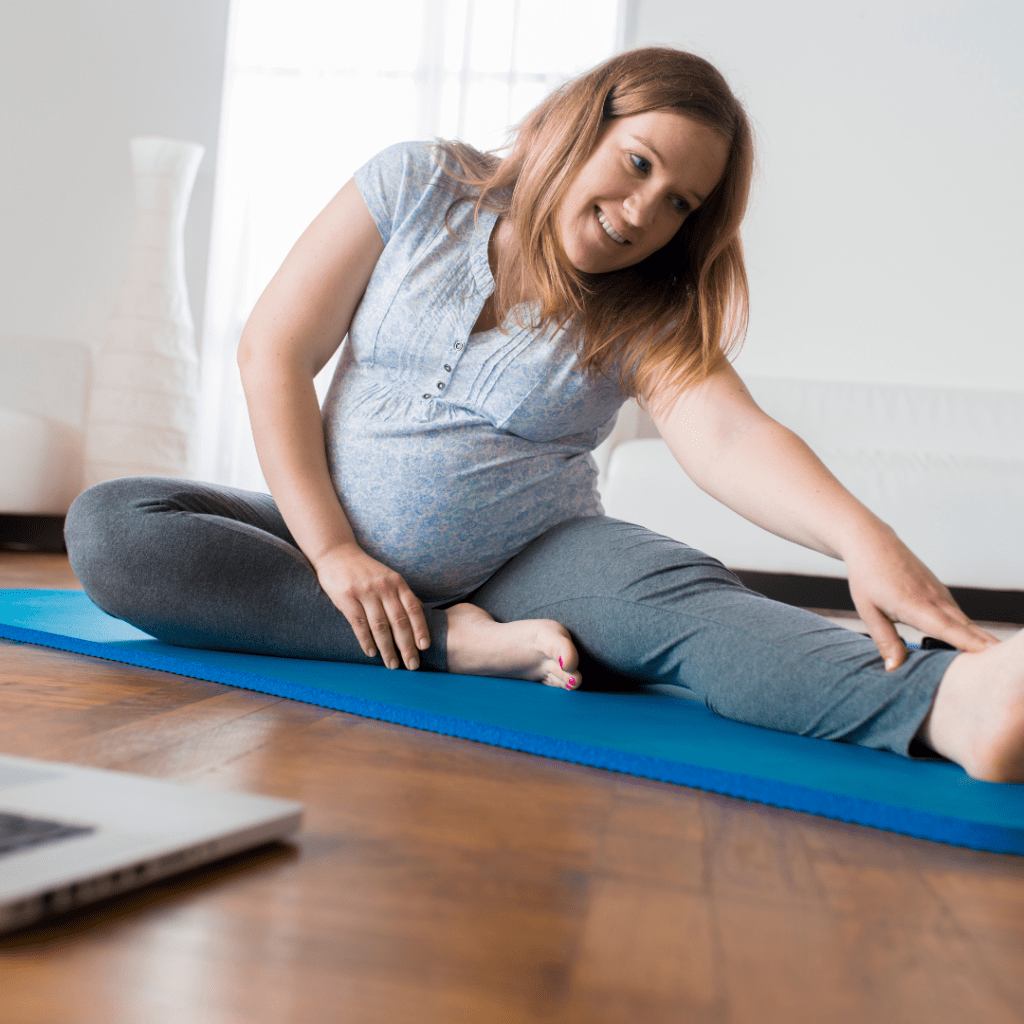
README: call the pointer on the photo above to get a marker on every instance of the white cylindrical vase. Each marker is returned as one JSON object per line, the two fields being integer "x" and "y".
{"x": 144, "y": 406}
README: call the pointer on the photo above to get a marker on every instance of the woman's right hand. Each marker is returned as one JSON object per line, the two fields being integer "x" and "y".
{"x": 381, "y": 609}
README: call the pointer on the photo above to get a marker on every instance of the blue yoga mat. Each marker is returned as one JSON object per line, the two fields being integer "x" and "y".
{"x": 652, "y": 732}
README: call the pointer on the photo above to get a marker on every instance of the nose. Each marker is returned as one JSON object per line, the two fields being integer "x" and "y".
{"x": 638, "y": 208}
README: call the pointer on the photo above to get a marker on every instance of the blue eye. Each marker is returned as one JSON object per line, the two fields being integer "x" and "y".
{"x": 642, "y": 164}
{"x": 681, "y": 205}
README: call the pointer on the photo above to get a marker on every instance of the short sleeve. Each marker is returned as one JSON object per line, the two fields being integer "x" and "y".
{"x": 393, "y": 182}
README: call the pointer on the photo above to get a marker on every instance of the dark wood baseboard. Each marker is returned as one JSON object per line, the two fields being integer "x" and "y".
{"x": 32, "y": 533}
{"x": 826, "y": 592}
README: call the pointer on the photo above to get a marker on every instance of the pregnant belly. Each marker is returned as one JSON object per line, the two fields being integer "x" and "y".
{"x": 449, "y": 508}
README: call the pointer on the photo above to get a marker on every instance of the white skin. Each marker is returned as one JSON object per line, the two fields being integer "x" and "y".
{"x": 647, "y": 173}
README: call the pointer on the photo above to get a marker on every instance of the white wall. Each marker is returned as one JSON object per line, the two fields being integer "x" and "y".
{"x": 78, "y": 79}
{"x": 885, "y": 243}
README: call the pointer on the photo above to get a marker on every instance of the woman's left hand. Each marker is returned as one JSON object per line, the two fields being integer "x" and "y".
{"x": 889, "y": 583}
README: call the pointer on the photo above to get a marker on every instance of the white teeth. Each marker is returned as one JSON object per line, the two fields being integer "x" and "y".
{"x": 609, "y": 230}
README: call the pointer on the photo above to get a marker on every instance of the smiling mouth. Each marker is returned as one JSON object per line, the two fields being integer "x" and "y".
{"x": 608, "y": 229}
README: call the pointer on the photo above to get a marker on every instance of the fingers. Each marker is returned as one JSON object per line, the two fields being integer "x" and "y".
{"x": 889, "y": 643}
{"x": 381, "y": 627}
{"x": 889, "y": 584}
{"x": 943, "y": 619}
{"x": 963, "y": 636}
{"x": 949, "y": 624}
{"x": 357, "y": 619}
{"x": 406, "y": 629}
{"x": 397, "y": 629}
{"x": 385, "y": 629}
{"x": 953, "y": 626}
{"x": 385, "y": 615}
{"x": 417, "y": 620}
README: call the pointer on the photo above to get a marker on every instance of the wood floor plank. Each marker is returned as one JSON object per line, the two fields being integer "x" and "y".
{"x": 188, "y": 731}
{"x": 195, "y": 758}
{"x": 988, "y": 904}
{"x": 647, "y": 954}
{"x": 36, "y": 569}
{"x": 800, "y": 966}
{"x": 757, "y": 854}
{"x": 378, "y": 780}
{"x": 655, "y": 834}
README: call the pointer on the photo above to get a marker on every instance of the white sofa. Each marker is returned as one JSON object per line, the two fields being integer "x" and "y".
{"x": 44, "y": 389}
{"x": 945, "y": 468}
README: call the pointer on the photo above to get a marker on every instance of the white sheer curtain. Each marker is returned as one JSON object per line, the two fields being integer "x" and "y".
{"x": 316, "y": 87}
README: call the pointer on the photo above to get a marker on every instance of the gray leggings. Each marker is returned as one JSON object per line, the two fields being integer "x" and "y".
{"x": 198, "y": 565}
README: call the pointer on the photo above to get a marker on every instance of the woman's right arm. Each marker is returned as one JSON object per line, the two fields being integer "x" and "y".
{"x": 296, "y": 326}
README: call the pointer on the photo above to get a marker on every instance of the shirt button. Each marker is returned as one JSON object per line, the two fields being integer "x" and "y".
{"x": 458, "y": 346}
{"x": 447, "y": 368}
{"x": 428, "y": 396}
{"x": 440, "y": 385}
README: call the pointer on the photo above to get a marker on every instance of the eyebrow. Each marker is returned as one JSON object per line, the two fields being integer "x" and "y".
{"x": 650, "y": 146}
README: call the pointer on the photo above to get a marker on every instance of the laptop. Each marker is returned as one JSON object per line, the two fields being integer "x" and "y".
{"x": 71, "y": 835}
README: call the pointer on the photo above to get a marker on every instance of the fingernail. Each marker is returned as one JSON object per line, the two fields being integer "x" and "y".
{"x": 560, "y": 665}
{"x": 423, "y": 643}
{"x": 371, "y": 653}
{"x": 890, "y": 664}
{"x": 392, "y": 663}
{"x": 414, "y": 663}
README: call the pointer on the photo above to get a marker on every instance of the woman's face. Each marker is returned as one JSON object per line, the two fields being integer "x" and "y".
{"x": 647, "y": 174}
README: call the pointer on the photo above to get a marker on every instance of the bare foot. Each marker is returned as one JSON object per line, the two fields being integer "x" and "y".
{"x": 538, "y": 649}
{"x": 977, "y": 718}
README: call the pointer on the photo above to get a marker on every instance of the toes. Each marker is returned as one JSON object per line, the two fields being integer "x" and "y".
{"x": 566, "y": 675}
{"x": 568, "y": 663}
{"x": 561, "y": 681}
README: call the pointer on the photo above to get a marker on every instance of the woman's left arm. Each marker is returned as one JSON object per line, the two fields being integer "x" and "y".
{"x": 736, "y": 453}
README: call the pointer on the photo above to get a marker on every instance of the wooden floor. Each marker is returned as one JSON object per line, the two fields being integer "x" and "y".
{"x": 438, "y": 880}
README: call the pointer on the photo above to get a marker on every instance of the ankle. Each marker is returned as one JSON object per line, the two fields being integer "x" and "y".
{"x": 977, "y": 716}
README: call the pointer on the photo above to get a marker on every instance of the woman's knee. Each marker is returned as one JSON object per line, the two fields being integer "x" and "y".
{"x": 89, "y": 520}
{"x": 100, "y": 534}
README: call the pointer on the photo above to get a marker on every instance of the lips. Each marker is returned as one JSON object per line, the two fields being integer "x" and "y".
{"x": 609, "y": 230}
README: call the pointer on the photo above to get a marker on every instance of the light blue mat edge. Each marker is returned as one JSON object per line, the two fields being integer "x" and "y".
{"x": 991, "y": 818}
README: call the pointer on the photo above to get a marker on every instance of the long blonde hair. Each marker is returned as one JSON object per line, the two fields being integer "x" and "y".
{"x": 673, "y": 317}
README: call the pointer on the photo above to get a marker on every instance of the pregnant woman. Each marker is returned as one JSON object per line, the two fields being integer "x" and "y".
{"x": 441, "y": 509}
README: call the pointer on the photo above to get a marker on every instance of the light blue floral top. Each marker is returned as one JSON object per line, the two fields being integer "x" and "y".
{"x": 451, "y": 452}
